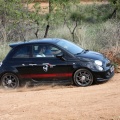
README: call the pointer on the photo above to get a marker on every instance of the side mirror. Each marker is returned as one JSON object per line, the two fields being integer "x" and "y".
{"x": 61, "y": 56}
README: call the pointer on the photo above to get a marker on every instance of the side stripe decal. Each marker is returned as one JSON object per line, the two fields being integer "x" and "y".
{"x": 59, "y": 75}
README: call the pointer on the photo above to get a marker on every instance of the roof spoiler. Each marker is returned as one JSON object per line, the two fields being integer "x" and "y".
{"x": 12, "y": 45}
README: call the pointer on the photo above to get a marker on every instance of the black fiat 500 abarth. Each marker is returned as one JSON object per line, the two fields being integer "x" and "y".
{"x": 53, "y": 59}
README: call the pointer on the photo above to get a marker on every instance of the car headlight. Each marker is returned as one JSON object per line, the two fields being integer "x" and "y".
{"x": 98, "y": 65}
{"x": 98, "y": 62}
{"x": 0, "y": 64}
{"x": 99, "y": 68}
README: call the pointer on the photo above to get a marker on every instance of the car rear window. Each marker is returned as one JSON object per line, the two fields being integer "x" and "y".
{"x": 22, "y": 52}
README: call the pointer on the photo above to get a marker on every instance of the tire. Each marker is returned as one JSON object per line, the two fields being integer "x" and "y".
{"x": 83, "y": 78}
{"x": 9, "y": 81}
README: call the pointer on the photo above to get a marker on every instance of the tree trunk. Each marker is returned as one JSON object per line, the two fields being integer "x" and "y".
{"x": 113, "y": 14}
{"x": 50, "y": 7}
{"x": 46, "y": 31}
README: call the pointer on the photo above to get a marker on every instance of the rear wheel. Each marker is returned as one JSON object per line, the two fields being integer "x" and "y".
{"x": 83, "y": 77}
{"x": 9, "y": 81}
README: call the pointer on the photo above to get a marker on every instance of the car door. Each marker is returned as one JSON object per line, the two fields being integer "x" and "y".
{"x": 49, "y": 66}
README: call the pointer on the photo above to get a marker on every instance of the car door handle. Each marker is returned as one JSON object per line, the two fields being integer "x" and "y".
{"x": 23, "y": 64}
{"x": 32, "y": 64}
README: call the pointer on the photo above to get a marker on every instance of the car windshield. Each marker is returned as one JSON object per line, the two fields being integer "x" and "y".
{"x": 70, "y": 46}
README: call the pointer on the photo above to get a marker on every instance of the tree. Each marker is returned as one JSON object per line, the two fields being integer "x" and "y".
{"x": 116, "y": 6}
{"x": 55, "y": 6}
{"x": 35, "y": 16}
{"x": 11, "y": 11}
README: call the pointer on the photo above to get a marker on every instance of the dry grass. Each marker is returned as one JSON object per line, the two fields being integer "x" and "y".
{"x": 113, "y": 54}
{"x": 4, "y": 49}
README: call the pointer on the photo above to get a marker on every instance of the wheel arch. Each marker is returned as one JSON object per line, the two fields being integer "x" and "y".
{"x": 82, "y": 68}
{"x": 85, "y": 69}
{"x": 9, "y": 72}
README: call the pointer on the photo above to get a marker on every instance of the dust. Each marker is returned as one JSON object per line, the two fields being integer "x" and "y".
{"x": 36, "y": 88}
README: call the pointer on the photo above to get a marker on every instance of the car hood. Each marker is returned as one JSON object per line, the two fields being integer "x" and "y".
{"x": 91, "y": 55}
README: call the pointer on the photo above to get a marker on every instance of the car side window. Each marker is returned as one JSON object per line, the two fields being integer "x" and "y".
{"x": 22, "y": 52}
{"x": 45, "y": 51}
{"x": 55, "y": 51}
{"x": 38, "y": 51}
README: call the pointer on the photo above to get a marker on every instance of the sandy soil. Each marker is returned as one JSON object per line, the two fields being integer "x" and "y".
{"x": 96, "y": 102}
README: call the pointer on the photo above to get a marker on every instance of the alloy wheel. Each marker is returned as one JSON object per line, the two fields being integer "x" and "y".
{"x": 83, "y": 77}
{"x": 9, "y": 80}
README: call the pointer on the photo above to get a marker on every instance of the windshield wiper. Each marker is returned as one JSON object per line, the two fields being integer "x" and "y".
{"x": 86, "y": 50}
{"x": 83, "y": 51}
{"x": 80, "y": 52}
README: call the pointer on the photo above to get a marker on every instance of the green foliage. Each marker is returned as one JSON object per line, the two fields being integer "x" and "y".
{"x": 60, "y": 4}
{"x": 116, "y": 8}
{"x": 88, "y": 23}
{"x": 75, "y": 16}
{"x": 64, "y": 1}
{"x": 95, "y": 13}
{"x": 11, "y": 9}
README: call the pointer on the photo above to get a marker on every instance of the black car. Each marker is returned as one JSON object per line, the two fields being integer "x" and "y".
{"x": 53, "y": 59}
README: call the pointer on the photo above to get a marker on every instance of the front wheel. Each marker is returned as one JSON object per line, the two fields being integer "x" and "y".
{"x": 83, "y": 77}
{"x": 9, "y": 81}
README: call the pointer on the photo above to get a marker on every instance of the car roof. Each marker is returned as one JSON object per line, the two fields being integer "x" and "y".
{"x": 44, "y": 40}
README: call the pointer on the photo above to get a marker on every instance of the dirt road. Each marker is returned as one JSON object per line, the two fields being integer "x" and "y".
{"x": 97, "y": 102}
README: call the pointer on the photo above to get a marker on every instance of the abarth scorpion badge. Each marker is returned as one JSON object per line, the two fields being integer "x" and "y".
{"x": 46, "y": 66}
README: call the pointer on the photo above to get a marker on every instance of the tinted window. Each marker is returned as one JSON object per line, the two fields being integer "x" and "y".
{"x": 22, "y": 52}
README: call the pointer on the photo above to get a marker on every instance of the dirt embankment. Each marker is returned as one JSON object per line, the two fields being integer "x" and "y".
{"x": 96, "y": 102}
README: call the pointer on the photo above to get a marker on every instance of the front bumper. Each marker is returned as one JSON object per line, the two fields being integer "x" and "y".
{"x": 104, "y": 76}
